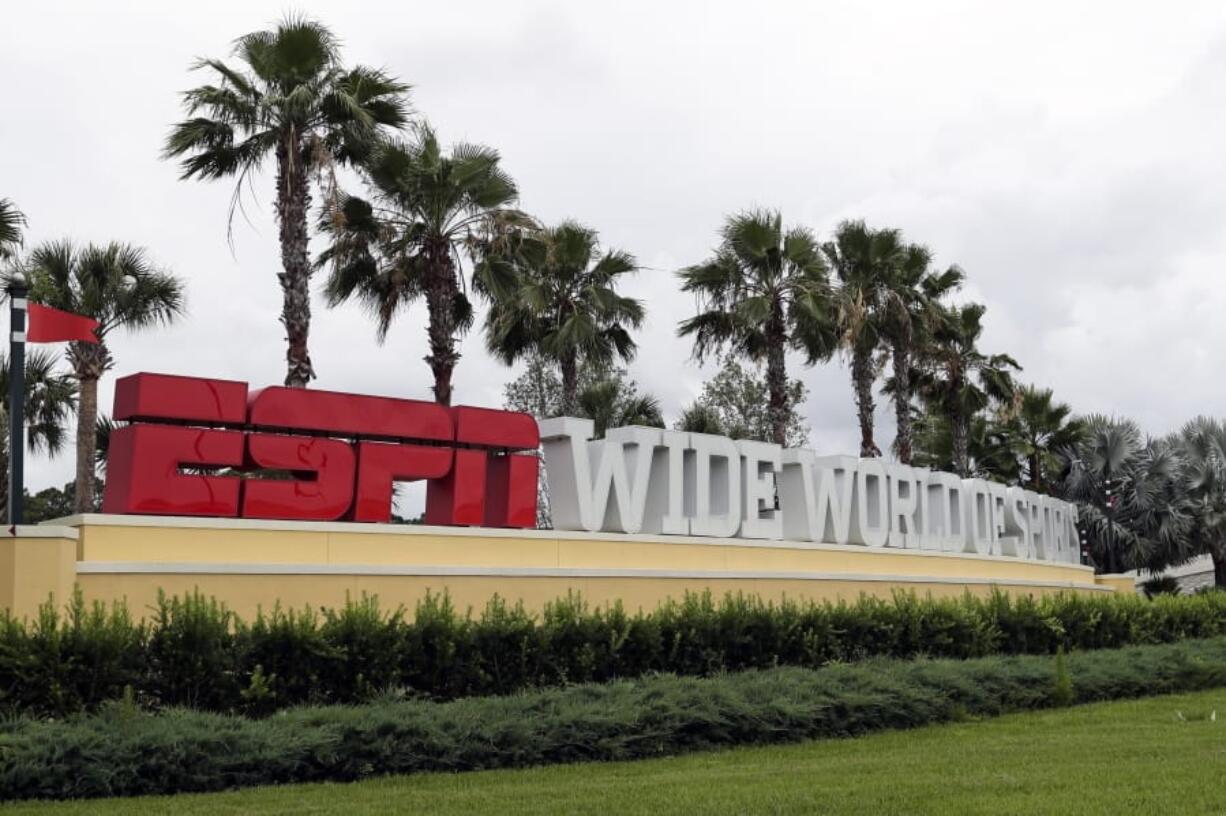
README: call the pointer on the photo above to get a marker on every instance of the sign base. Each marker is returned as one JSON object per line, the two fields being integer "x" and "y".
{"x": 252, "y": 565}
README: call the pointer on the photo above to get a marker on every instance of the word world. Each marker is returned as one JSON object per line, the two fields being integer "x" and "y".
{"x": 648, "y": 480}
{"x": 204, "y": 447}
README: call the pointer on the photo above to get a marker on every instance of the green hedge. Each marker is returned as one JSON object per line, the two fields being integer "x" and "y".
{"x": 192, "y": 652}
{"x": 125, "y": 751}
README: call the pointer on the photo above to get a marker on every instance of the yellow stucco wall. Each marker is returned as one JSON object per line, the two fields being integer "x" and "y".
{"x": 1119, "y": 583}
{"x": 252, "y": 565}
{"x": 248, "y": 593}
{"x": 35, "y": 565}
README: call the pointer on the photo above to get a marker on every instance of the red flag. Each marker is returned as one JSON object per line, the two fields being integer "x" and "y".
{"x": 47, "y": 325}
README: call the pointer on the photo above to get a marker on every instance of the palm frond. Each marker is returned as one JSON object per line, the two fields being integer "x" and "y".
{"x": 12, "y": 220}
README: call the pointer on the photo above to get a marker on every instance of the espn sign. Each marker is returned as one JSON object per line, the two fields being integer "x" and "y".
{"x": 339, "y": 454}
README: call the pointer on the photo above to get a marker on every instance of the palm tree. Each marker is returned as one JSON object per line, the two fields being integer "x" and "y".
{"x": 1131, "y": 494}
{"x": 990, "y": 453}
{"x": 865, "y": 261}
{"x": 1038, "y": 430}
{"x": 566, "y": 307}
{"x": 1202, "y": 444}
{"x": 910, "y": 308}
{"x": 614, "y": 403}
{"x": 764, "y": 291}
{"x": 50, "y": 399}
{"x": 118, "y": 286}
{"x": 292, "y": 100}
{"x": 11, "y": 222}
{"x": 959, "y": 380}
{"x": 427, "y": 207}
{"x": 701, "y": 418}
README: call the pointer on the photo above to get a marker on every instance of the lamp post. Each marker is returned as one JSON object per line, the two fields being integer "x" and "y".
{"x": 18, "y": 289}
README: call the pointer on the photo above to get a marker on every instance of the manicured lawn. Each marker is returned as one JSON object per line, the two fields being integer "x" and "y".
{"x": 1129, "y": 757}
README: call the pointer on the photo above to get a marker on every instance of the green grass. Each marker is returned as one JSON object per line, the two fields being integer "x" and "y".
{"x": 1137, "y": 756}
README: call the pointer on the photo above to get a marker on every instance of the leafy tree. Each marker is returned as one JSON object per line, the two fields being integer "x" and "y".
{"x": 865, "y": 262}
{"x": 566, "y": 307}
{"x": 1131, "y": 495}
{"x": 1202, "y": 445}
{"x": 536, "y": 391}
{"x": 50, "y": 398}
{"x": 53, "y": 503}
{"x": 291, "y": 100}
{"x": 427, "y": 207}
{"x": 765, "y": 291}
{"x": 118, "y": 286}
{"x": 11, "y": 222}
{"x": 959, "y": 380}
{"x": 737, "y": 398}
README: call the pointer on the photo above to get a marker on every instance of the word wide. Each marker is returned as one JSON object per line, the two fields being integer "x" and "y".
{"x": 653, "y": 481}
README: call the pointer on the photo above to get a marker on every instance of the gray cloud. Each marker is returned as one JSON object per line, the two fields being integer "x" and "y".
{"x": 1067, "y": 155}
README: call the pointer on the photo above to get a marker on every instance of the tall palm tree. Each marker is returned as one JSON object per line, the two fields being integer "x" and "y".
{"x": 765, "y": 291}
{"x": 11, "y": 222}
{"x": 427, "y": 208}
{"x": 910, "y": 309}
{"x": 865, "y": 261}
{"x": 566, "y": 307}
{"x": 121, "y": 288}
{"x": 1039, "y": 430}
{"x": 960, "y": 380}
{"x": 50, "y": 399}
{"x": 291, "y": 100}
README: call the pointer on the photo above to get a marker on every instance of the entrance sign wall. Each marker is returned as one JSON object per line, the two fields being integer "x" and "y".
{"x": 214, "y": 448}
{"x": 251, "y": 497}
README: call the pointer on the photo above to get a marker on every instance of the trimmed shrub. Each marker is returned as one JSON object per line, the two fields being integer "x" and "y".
{"x": 122, "y": 751}
{"x": 193, "y": 652}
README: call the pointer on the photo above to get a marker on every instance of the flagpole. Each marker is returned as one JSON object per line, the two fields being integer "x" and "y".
{"x": 17, "y": 394}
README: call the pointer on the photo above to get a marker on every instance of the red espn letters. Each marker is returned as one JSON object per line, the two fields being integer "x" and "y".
{"x": 343, "y": 451}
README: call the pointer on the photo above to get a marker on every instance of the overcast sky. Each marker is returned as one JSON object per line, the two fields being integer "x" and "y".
{"x": 1069, "y": 156}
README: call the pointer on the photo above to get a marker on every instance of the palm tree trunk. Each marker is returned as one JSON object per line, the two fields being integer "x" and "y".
{"x": 862, "y": 381}
{"x": 569, "y": 365}
{"x": 440, "y": 304}
{"x": 87, "y": 419}
{"x": 960, "y": 434}
{"x": 1036, "y": 481}
{"x": 776, "y": 374}
{"x": 1219, "y": 569}
{"x": 293, "y": 203}
{"x": 902, "y": 402}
